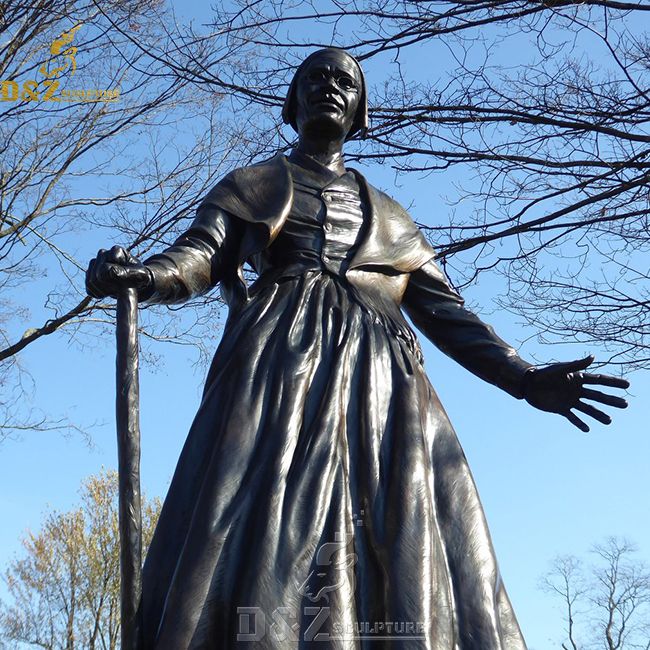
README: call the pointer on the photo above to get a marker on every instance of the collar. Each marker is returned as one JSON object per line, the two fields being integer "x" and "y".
{"x": 321, "y": 172}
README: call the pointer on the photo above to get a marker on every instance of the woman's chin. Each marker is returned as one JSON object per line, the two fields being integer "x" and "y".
{"x": 328, "y": 125}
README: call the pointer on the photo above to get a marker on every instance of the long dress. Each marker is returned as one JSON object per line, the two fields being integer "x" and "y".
{"x": 322, "y": 499}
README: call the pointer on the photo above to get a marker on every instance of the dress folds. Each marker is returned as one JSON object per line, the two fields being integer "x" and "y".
{"x": 322, "y": 499}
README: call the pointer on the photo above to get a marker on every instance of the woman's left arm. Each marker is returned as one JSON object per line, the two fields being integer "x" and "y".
{"x": 439, "y": 312}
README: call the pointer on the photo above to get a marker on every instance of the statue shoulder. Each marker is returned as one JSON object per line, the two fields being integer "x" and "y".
{"x": 393, "y": 235}
{"x": 261, "y": 192}
{"x": 386, "y": 200}
{"x": 385, "y": 205}
{"x": 269, "y": 167}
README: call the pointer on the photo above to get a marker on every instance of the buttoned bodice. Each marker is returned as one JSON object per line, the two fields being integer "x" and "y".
{"x": 324, "y": 227}
{"x": 292, "y": 216}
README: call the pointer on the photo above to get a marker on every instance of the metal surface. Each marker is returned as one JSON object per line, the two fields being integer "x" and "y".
{"x": 128, "y": 449}
{"x": 322, "y": 487}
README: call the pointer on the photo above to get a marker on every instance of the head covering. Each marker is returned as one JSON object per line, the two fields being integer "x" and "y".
{"x": 360, "y": 122}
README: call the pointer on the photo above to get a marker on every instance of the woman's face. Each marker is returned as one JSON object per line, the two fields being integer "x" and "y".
{"x": 328, "y": 92}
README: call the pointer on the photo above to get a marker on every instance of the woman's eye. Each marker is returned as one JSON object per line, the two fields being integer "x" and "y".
{"x": 345, "y": 82}
{"x": 316, "y": 76}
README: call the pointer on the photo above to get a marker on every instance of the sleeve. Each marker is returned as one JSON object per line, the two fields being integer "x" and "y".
{"x": 198, "y": 259}
{"x": 439, "y": 313}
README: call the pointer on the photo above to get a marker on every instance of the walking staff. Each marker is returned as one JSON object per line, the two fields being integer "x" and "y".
{"x": 119, "y": 269}
{"x": 128, "y": 450}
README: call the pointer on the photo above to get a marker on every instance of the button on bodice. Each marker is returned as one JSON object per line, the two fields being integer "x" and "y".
{"x": 324, "y": 227}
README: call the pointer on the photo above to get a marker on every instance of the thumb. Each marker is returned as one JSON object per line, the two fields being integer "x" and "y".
{"x": 116, "y": 272}
{"x": 131, "y": 260}
{"x": 578, "y": 364}
{"x": 137, "y": 277}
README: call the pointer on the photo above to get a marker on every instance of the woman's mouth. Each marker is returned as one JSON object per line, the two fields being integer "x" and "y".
{"x": 327, "y": 102}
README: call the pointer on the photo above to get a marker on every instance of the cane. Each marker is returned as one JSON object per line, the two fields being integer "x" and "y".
{"x": 128, "y": 450}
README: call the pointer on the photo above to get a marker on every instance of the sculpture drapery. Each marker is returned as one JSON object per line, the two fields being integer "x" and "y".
{"x": 322, "y": 498}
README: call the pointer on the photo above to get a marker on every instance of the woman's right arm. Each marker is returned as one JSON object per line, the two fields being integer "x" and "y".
{"x": 195, "y": 263}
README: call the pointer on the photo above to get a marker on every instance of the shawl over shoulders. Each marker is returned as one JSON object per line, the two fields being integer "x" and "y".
{"x": 262, "y": 194}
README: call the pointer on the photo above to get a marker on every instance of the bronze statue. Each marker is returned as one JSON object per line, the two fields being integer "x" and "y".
{"x": 322, "y": 498}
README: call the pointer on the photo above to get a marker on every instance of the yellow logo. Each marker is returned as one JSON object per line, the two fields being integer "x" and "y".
{"x": 57, "y": 49}
{"x": 62, "y": 60}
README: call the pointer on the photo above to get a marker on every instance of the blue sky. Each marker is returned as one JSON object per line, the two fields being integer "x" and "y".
{"x": 546, "y": 487}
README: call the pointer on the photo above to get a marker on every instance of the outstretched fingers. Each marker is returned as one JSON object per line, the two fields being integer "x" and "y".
{"x": 563, "y": 388}
{"x": 593, "y": 412}
{"x": 604, "y": 398}
{"x": 605, "y": 380}
{"x": 576, "y": 421}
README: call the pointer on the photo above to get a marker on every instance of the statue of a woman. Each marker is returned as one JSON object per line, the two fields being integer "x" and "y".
{"x": 322, "y": 496}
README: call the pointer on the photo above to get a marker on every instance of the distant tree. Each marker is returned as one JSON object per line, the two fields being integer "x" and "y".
{"x": 606, "y": 604}
{"x": 65, "y": 587}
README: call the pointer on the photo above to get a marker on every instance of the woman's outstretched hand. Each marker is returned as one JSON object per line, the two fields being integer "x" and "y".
{"x": 561, "y": 387}
{"x": 114, "y": 270}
